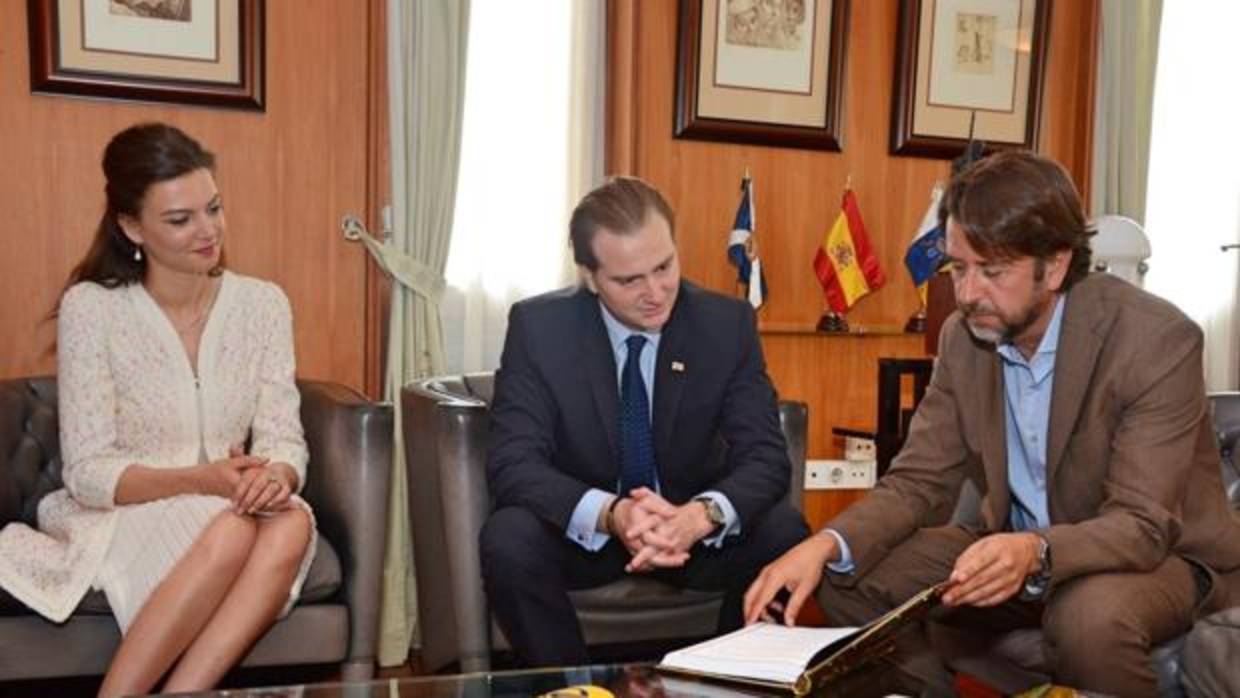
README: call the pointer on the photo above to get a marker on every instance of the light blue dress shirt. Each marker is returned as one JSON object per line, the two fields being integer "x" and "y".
{"x": 1027, "y": 405}
{"x": 582, "y": 526}
{"x": 1027, "y": 394}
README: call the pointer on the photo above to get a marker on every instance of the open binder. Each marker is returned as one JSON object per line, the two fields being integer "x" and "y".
{"x": 842, "y": 650}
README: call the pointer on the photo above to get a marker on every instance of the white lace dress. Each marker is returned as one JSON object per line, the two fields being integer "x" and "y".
{"x": 127, "y": 394}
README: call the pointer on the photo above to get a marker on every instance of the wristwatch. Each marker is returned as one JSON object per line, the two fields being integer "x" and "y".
{"x": 1036, "y": 583}
{"x": 714, "y": 513}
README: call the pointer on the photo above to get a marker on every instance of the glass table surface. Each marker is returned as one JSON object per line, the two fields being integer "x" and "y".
{"x": 619, "y": 680}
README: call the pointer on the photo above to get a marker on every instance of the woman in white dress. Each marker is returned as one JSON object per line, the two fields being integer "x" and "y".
{"x": 168, "y": 366}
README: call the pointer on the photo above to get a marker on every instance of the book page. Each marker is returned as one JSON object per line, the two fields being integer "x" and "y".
{"x": 763, "y": 651}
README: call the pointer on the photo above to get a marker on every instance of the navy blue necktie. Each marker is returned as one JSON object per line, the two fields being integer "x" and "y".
{"x": 637, "y": 466}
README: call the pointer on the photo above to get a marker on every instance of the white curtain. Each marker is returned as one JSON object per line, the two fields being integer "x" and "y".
{"x": 1124, "y": 106}
{"x": 532, "y": 145}
{"x": 1193, "y": 204}
{"x": 427, "y": 44}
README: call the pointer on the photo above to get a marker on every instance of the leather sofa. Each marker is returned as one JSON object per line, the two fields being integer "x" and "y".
{"x": 445, "y": 422}
{"x": 1201, "y": 663}
{"x": 336, "y": 620}
{"x": 1210, "y": 661}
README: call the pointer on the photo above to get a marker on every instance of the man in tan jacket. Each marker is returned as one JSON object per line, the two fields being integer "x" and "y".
{"x": 1075, "y": 402}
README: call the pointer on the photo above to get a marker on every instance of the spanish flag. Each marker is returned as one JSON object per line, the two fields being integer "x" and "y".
{"x": 845, "y": 262}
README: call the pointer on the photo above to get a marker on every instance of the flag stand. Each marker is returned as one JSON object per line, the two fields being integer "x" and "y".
{"x": 917, "y": 322}
{"x": 832, "y": 323}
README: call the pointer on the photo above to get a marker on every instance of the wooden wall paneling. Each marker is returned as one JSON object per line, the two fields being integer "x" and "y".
{"x": 286, "y": 177}
{"x": 622, "y": 27}
{"x": 798, "y": 192}
{"x": 1071, "y": 85}
{"x": 318, "y": 144}
{"x": 837, "y": 376}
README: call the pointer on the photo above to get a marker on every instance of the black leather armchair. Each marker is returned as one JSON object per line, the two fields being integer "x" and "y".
{"x": 336, "y": 620}
{"x": 1211, "y": 649}
{"x": 445, "y": 422}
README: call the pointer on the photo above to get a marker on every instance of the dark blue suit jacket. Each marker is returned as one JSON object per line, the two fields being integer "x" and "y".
{"x": 554, "y": 417}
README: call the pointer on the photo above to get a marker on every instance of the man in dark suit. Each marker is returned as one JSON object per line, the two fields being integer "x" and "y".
{"x": 611, "y": 403}
{"x": 1076, "y": 402}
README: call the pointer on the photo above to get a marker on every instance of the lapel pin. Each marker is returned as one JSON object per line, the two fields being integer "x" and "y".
{"x": 678, "y": 367}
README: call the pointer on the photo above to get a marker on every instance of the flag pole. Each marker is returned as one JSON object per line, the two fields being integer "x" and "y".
{"x": 743, "y": 246}
{"x": 752, "y": 247}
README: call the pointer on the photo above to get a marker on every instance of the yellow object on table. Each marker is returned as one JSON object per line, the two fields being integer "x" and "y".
{"x": 583, "y": 691}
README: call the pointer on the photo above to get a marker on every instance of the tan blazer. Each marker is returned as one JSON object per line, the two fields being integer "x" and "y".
{"x": 1133, "y": 467}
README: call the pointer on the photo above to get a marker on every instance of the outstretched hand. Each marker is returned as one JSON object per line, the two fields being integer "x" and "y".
{"x": 796, "y": 572}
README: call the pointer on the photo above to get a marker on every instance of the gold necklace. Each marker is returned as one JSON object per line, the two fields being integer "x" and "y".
{"x": 199, "y": 316}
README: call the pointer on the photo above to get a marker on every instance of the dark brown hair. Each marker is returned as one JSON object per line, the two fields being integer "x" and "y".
{"x": 1019, "y": 204}
{"x": 621, "y": 205}
{"x": 135, "y": 159}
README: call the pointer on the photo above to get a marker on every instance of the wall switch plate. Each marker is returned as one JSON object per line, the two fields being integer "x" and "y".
{"x": 840, "y": 474}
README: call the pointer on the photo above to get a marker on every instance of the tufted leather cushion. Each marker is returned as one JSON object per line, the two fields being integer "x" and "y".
{"x": 29, "y": 447}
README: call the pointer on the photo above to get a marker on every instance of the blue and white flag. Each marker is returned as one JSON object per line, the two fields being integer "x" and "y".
{"x": 926, "y": 253}
{"x": 740, "y": 245}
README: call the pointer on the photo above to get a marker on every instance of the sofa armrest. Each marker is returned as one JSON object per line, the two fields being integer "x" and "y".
{"x": 445, "y": 453}
{"x": 1208, "y": 663}
{"x": 347, "y": 483}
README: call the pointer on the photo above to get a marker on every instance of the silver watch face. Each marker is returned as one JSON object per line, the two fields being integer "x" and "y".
{"x": 1035, "y": 587}
{"x": 1044, "y": 557}
{"x": 713, "y": 511}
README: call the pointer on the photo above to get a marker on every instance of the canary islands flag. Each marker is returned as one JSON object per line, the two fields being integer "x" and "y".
{"x": 740, "y": 244}
{"x": 925, "y": 254}
{"x": 845, "y": 262}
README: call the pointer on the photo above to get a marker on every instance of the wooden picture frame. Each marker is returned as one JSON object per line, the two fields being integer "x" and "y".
{"x": 204, "y": 52}
{"x": 768, "y": 80}
{"x": 954, "y": 61}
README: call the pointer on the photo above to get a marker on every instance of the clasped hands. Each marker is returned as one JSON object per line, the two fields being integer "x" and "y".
{"x": 656, "y": 532}
{"x": 253, "y": 484}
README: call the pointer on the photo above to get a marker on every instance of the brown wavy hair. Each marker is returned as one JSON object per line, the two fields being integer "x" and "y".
{"x": 134, "y": 160}
{"x": 1019, "y": 204}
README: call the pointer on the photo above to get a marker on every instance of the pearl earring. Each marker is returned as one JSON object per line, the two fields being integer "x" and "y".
{"x": 137, "y": 254}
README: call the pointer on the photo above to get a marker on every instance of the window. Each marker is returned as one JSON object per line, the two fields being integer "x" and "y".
{"x": 509, "y": 236}
{"x": 1193, "y": 201}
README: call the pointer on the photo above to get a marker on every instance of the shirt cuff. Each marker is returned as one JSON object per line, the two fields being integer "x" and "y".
{"x": 731, "y": 522}
{"x": 583, "y": 525}
{"x": 844, "y": 565}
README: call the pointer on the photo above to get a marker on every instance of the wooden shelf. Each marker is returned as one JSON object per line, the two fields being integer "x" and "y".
{"x": 794, "y": 328}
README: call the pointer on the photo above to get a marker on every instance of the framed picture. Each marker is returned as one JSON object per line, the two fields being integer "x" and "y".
{"x": 961, "y": 60}
{"x": 761, "y": 71}
{"x": 204, "y": 52}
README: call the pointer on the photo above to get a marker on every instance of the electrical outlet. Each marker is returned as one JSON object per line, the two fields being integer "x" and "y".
{"x": 839, "y": 474}
{"x": 859, "y": 449}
